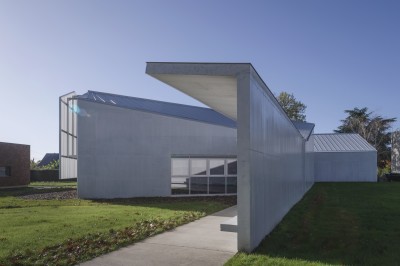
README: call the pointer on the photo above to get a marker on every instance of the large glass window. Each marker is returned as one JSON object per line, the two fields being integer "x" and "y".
{"x": 232, "y": 166}
{"x": 180, "y": 167}
{"x": 198, "y": 185}
{"x": 217, "y": 185}
{"x": 231, "y": 184}
{"x": 180, "y": 185}
{"x": 198, "y": 167}
{"x": 217, "y": 167}
{"x": 203, "y": 176}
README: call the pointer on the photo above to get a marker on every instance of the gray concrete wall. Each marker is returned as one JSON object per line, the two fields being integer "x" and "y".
{"x": 127, "y": 153}
{"x": 345, "y": 166}
{"x": 271, "y": 162}
{"x": 395, "y": 167}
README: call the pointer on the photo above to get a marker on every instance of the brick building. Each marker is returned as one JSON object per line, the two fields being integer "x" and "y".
{"x": 14, "y": 164}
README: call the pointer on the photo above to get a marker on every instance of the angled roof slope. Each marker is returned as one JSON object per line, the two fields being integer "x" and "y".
{"x": 200, "y": 114}
{"x": 304, "y": 128}
{"x": 48, "y": 158}
{"x": 340, "y": 142}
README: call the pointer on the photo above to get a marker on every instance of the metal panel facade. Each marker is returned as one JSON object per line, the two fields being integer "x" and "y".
{"x": 345, "y": 166}
{"x": 127, "y": 153}
{"x": 271, "y": 162}
{"x": 343, "y": 142}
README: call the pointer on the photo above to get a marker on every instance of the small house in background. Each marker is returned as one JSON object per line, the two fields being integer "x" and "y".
{"x": 14, "y": 164}
{"x": 340, "y": 157}
{"x": 48, "y": 158}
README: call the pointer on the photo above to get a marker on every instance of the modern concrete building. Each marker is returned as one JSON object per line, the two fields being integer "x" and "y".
{"x": 130, "y": 147}
{"x": 344, "y": 158}
{"x": 244, "y": 143}
{"x": 14, "y": 164}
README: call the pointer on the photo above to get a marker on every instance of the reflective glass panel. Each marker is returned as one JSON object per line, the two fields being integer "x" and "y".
{"x": 198, "y": 185}
{"x": 232, "y": 166}
{"x": 180, "y": 185}
{"x": 199, "y": 167}
{"x": 180, "y": 167}
{"x": 231, "y": 184}
{"x": 217, "y": 166}
{"x": 217, "y": 185}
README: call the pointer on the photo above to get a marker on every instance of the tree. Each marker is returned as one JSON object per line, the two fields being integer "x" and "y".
{"x": 53, "y": 165}
{"x": 293, "y": 108}
{"x": 374, "y": 128}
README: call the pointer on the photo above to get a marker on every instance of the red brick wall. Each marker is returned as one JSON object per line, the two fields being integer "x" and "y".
{"x": 16, "y": 156}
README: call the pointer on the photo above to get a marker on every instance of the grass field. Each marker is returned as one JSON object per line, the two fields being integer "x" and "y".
{"x": 337, "y": 224}
{"x": 30, "y": 226}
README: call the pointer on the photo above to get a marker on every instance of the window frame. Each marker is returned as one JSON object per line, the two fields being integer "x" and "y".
{"x": 208, "y": 174}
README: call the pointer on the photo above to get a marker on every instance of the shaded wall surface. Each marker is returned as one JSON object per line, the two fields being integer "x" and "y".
{"x": 345, "y": 166}
{"x": 127, "y": 153}
{"x": 396, "y": 152}
{"x": 272, "y": 163}
{"x": 17, "y": 158}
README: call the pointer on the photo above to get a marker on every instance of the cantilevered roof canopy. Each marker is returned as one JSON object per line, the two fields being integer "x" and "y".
{"x": 212, "y": 84}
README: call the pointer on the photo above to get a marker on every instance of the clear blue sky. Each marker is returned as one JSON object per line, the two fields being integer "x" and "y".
{"x": 332, "y": 55}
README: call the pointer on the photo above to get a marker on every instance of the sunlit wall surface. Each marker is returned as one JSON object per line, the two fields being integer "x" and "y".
{"x": 127, "y": 153}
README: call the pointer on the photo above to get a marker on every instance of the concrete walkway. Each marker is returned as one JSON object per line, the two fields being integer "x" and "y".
{"x": 198, "y": 243}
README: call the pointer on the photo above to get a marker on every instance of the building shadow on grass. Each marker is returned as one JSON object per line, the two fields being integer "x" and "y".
{"x": 26, "y": 191}
{"x": 174, "y": 203}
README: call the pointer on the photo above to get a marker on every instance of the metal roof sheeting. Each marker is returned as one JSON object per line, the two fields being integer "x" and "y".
{"x": 304, "y": 128}
{"x": 341, "y": 142}
{"x": 200, "y": 114}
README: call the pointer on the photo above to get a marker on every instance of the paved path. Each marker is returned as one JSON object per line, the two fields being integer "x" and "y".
{"x": 198, "y": 243}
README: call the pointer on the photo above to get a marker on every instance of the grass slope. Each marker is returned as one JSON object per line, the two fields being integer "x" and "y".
{"x": 335, "y": 223}
{"x": 37, "y": 224}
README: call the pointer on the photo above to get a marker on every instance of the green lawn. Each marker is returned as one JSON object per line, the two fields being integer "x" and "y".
{"x": 337, "y": 224}
{"x": 41, "y": 225}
